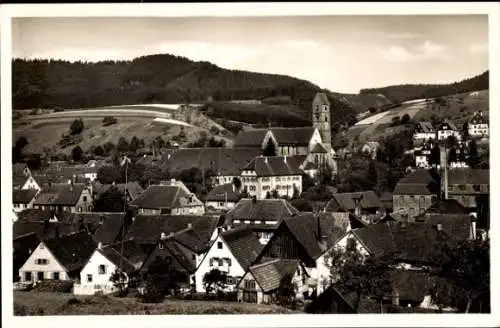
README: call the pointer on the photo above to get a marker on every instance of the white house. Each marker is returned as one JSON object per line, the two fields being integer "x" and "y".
{"x": 422, "y": 156}
{"x": 232, "y": 253}
{"x": 266, "y": 174}
{"x": 446, "y": 129}
{"x": 424, "y": 131}
{"x": 95, "y": 276}
{"x": 478, "y": 125}
{"x": 59, "y": 258}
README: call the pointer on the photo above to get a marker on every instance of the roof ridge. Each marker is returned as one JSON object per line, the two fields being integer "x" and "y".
{"x": 265, "y": 263}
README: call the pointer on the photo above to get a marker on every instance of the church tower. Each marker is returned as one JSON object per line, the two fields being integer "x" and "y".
{"x": 321, "y": 118}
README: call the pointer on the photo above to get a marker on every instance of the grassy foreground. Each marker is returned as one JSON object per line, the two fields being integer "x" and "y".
{"x": 52, "y": 303}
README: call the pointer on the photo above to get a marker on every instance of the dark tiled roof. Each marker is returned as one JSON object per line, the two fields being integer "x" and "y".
{"x": 468, "y": 176}
{"x": 450, "y": 123}
{"x": 447, "y": 206}
{"x": 270, "y": 274}
{"x": 261, "y": 209}
{"x": 23, "y": 247}
{"x": 342, "y": 202}
{"x": 243, "y": 244}
{"x": 426, "y": 127}
{"x": 148, "y": 228}
{"x": 331, "y": 301}
{"x": 274, "y": 166}
{"x": 223, "y": 161}
{"x": 60, "y": 194}
{"x": 134, "y": 252}
{"x": 23, "y": 196}
{"x": 250, "y": 138}
{"x": 478, "y": 118}
{"x": 165, "y": 196}
{"x": 72, "y": 251}
{"x": 34, "y": 215}
{"x": 169, "y": 248}
{"x": 44, "y": 229}
{"x": 114, "y": 256}
{"x": 459, "y": 225}
{"x": 193, "y": 240}
{"x": 319, "y": 148}
{"x": 134, "y": 188}
{"x": 419, "y": 182}
{"x": 284, "y": 136}
{"x": 222, "y": 193}
{"x": 412, "y": 285}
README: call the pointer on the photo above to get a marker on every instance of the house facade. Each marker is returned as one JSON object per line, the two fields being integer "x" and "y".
{"x": 42, "y": 265}
{"x": 23, "y": 199}
{"x": 465, "y": 185}
{"x": 424, "y": 131}
{"x": 268, "y": 174}
{"x": 446, "y": 129}
{"x": 478, "y": 125}
{"x": 65, "y": 197}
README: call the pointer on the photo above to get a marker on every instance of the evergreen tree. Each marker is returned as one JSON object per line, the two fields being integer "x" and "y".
{"x": 474, "y": 158}
{"x": 270, "y": 149}
{"x": 77, "y": 154}
{"x": 76, "y": 127}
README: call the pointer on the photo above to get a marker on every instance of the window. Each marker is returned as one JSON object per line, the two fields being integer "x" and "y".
{"x": 219, "y": 245}
{"x": 102, "y": 269}
{"x": 27, "y": 276}
{"x": 84, "y": 198}
{"x": 231, "y": 280}
{"x": 250, "y": 284}
{"x": 41, "y": 261}
{"x": 221, "y": 262}
{"x": 55, "y": 276}
{"x": 42, "y": 246}
{"x": 476, "y": 188}
{"x": 462, "y": 187}
{"x": 40, "y": 275}
{"x": 193, "y": 257}
{"x": 89, "y": 278}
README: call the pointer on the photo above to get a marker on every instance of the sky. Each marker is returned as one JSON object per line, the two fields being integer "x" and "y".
{"x": 339, "y": 53}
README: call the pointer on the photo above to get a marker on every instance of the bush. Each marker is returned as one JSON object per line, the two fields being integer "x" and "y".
{"x": 76, "y": 127}
{"x": 109, "y": 120}
{"x": 152, "y": 294}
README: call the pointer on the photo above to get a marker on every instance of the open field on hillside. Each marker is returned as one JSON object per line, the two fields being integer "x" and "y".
{"x": 458, "y": 108}
{"x": 51, "y": 303}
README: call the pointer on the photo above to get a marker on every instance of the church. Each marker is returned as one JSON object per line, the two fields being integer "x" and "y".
{"x": 313, "y": 141}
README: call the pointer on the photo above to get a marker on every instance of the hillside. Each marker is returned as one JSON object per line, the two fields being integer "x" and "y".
{"x": 400, "y": 93}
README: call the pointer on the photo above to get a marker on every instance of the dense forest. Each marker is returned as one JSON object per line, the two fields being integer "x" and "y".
{"x": 400, "y": 93}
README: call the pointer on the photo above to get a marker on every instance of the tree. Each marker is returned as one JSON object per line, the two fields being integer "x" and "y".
{"x": 214, "y": 280}
{"x": 77, "y": 154}
{"x": 395, "y": 121}
{"x": 372, "y": 110}
{"x": 372, "y": 176}
{"x": 465, "y": 130}
{"x": 237, "y": 183}
{"x": 122, "y": 145}
{"x": 474, "y": 158}
{"x": 109, "y": 120}
{"x": 108, "y": 147}
{"x": 405, "y": 119}
{"x": 286, "y": 293}
{"x": 451, "y": 142}
{"x": 108, "y": 174}
{"x": 76, "y": 127}
{"x": 452, "y": 155}
{"x": 21, "y": 143}
{"x": 112, "y": 200}
{"x": 162, "y": 278}
{"x": 99, "y": 151}
{"x": 120, "y": 281}
{"x": 270, "y": 149}
{"x": 435, "y": 155}
{"x": 302, "y": 205}
{"x": 307, "y": 182}
{"x": 134, "y": 144}
{"x": 464, "y": 268}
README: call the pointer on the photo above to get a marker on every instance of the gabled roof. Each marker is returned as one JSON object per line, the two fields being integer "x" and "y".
{"x": 243, "y": 244}
{"x": 222, "y": 193}
{"x": 274, "y": 166}
{"x": 148, "y": 228}
{"x": 331, "y": 301}
{"x": 43, "y": 229}
{"x": 459, "y": 225}
{"x": 468, "y": 176}
{"x": 448, "y": 122}
{"x": 134, "y": 252}
{"x": 345, "y": 202}
{"x": 165, "y": 196}
{"x": 196, "y": 241}
{"x": 62, "y": 194}
{"x": 426, "y": 127}
{"x": 418, "y": 182}
{"x": 114, "y": 256}
{"x": 299, "y": 136}
{"x": 478, "y": 118}
{"x": 319, "y": 149}
{"x": 72, "y": 251}
{"x": 223, "y": 161}
{"x": 250, "y": 138}
{"x": 269, "y": 275}
{"x": 321, "y": 99}
{"x": 133, "y": 188}
{"x": 23, "y": 196}
{"x": 261, "y": 209}
{"x": 446, "y": 206}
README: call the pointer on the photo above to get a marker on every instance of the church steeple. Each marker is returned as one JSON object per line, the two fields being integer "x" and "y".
{"x": 321, "y": 118}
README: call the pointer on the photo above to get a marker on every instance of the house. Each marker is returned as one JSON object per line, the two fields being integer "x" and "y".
{"x": 222, "y": 164}
{"x": 370, "y": 148}
{"x": 23, "y": 246}
{"x": 424, "y": 131}
{"x": 466, "y": 184}
{"x": 21, "y": 169}
{"x": 171, "y": 197}
{"x": 446, "y": 129}
{"x": 23, "y": 199}
{"x": 445, "y": 206}
{"x": 58, "y": 258}
{"x": 309, "y": 238}
{"x": 135, "y": 253}
{"x": 423, "y": 156}
{"x": 223, "y": 197}
{"x": 96, "y": 275}
{"x": 65, "y": 197}
{"x": 265, "y": 175}
{"x": 263, "y": 215}
{"x": 478, "y": 125}
{"x": 22, "y": 177}
{"x": 262, "y": 281}
{"x": 82, "y": 171}
{"x": 416, "y": 192}
{"x": 361, "y": 204}
{"x": 133, "y": 189}
{"x": 232, "y": 252}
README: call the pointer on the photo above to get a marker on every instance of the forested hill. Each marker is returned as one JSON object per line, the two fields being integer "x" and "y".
{"x": 147, "y": 79}
{"x": 400, "y": 93}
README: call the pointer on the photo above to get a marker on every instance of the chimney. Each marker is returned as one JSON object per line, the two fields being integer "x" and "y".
{"x": 439, "y": 227}
{"x": 284, "y": 158}
{"x": 444, "y": 172}
{"x": 99, "y": 245}
{"x": 395, "y": 298}
{"x": 163, "y": 236}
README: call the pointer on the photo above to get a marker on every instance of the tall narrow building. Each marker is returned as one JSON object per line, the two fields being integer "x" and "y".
{"x": 321, "y": 118}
